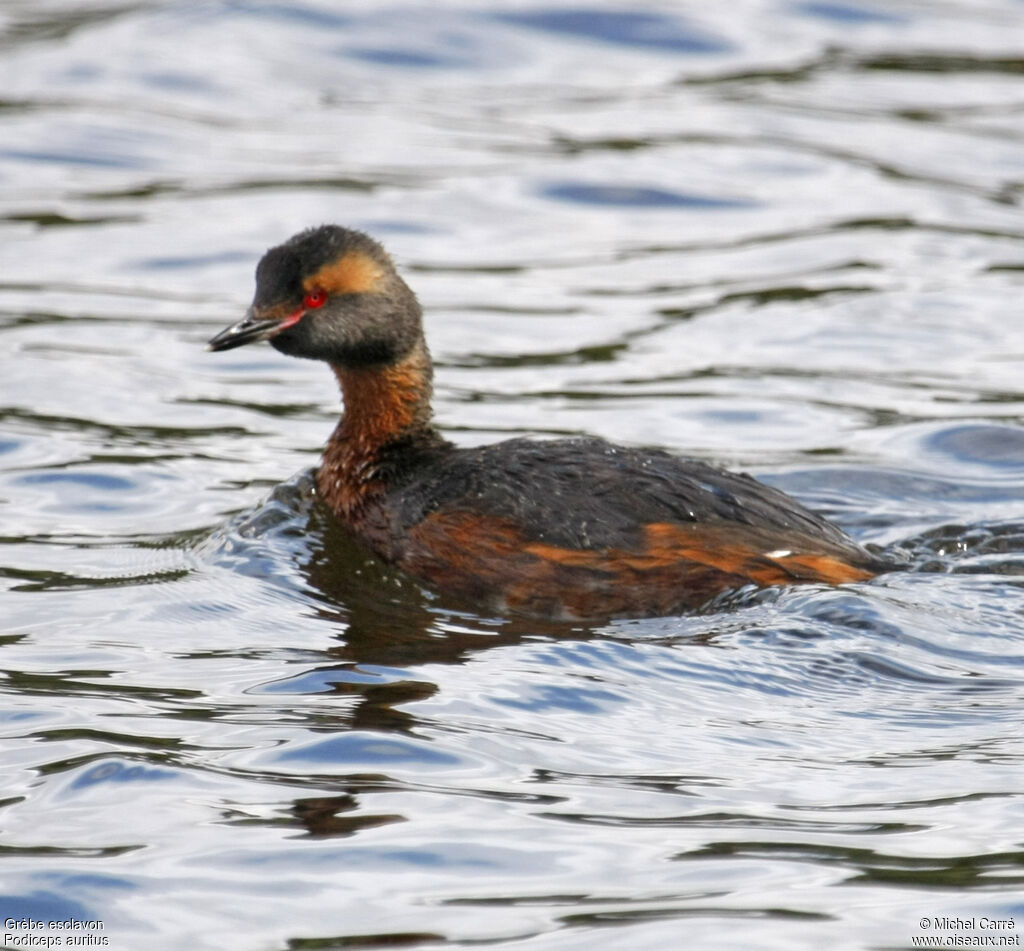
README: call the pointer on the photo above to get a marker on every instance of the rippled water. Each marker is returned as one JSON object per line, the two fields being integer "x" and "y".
{"x": 785, "y": 236}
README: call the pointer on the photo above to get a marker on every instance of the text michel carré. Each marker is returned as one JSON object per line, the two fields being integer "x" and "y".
{"x": 973, "y": 924}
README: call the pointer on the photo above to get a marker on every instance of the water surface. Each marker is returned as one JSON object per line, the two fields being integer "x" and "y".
{"x": 783, "y": 236}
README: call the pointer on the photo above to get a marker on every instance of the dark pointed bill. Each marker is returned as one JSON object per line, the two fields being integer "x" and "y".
{"x": 252, "y": 328}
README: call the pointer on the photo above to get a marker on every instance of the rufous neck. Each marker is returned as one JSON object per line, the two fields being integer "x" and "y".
{"x": 387, "y": 410}
{"x": 384, "y": 403}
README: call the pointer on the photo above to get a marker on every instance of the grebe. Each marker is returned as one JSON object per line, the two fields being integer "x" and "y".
{"x": 572, "y": 528}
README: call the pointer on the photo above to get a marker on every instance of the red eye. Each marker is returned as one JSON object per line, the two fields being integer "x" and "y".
{"x": 315, "y": 299}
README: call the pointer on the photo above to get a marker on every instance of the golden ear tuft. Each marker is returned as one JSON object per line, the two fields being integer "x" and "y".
{"x": 353, "y": 273}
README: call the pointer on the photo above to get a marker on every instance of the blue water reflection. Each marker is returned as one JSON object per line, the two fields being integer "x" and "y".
{"x": 849, "y": 13}
{"x": 636, "y": 197}
{"x": 353, "y": 749}
{"x": 636, "y": 29}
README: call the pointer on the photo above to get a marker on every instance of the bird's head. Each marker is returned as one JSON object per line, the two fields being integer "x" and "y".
{"x": 333, "y": 294}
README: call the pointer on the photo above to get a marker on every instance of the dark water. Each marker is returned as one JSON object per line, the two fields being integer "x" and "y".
{"x": 786, "y": 236}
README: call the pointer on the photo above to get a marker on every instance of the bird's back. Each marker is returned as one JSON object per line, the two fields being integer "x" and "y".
{"x": 583, "y": 528}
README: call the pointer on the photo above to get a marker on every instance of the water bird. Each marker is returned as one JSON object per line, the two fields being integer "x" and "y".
{"x": 575, "y": 528}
